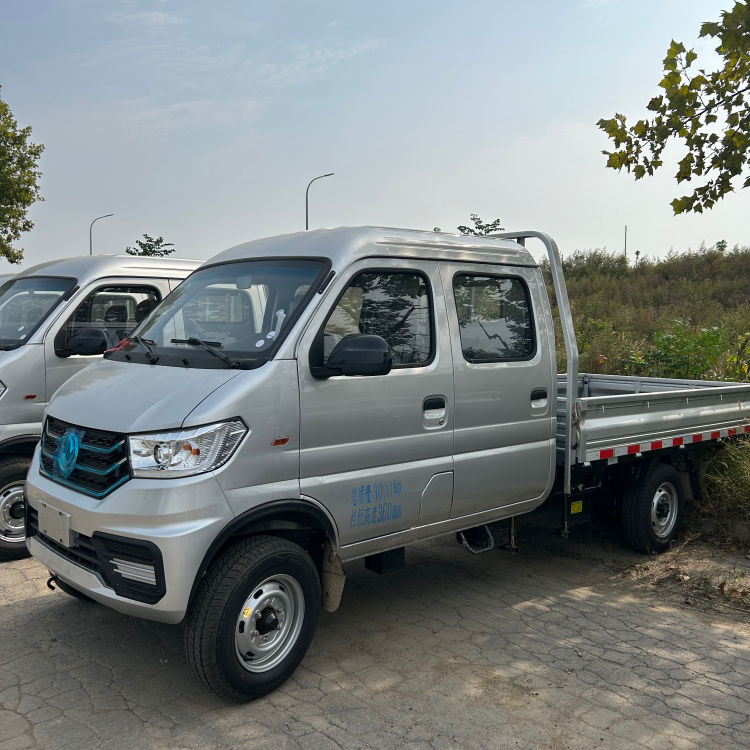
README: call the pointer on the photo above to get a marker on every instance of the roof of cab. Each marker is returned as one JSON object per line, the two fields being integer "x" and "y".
{"x": 347, "y": 244}
{"x": 90, "y": 267}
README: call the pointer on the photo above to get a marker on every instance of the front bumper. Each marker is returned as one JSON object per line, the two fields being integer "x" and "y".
{"x": 138, "y": 550}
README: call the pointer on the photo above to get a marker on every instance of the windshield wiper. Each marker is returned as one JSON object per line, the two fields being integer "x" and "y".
{"x": 193, "y": 341}
{"x": 152, "y": 358}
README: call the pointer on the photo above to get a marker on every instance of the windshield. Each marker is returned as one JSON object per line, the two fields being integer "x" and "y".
{"x": 229, "y": 315}
{"x": 25, "y": 303}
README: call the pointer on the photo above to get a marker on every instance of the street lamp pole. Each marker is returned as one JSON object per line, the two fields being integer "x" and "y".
{"x": 91, "y": 245}
{"x": 307, "y": 212}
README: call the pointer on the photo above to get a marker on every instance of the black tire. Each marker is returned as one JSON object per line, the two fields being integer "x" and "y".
{"x": 70, "y": 591}
{"x": 231, "y": 644}
{"x": 13, "y": 473}
{"x": 653, "y": 510}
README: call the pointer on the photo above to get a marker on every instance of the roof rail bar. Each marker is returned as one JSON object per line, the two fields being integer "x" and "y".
{"x": 569, "y": 334}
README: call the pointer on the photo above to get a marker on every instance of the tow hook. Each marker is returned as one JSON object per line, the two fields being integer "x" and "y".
{"x": 51, "y": 581}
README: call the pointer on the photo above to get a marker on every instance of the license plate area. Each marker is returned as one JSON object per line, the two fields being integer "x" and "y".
{"x": 54, "y": 523}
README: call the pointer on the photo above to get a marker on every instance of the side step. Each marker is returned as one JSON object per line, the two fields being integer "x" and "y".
{"x": 477, "y": 540}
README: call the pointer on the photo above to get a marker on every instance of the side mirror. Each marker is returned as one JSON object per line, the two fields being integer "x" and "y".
{"x": 87, "y": 342}
{"x": 360, "y": 354}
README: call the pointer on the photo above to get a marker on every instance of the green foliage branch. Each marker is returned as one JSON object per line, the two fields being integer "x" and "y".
{"x": 19, "y": 177}
{"x": 706, "y": 110}
{"x": 150, "y": 246}
{"x": 480, "y": 228}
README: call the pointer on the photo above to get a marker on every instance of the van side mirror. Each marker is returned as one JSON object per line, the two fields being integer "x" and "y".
{"x": 87, "y": 342}
{"x": 360, "y": 354}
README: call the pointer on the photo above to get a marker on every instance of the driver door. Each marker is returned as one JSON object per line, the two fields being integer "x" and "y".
{"x": 370, "y": 446}
{"x": 109, "y": 311}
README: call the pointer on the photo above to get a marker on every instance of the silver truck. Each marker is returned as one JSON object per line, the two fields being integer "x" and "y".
{"x": 55, "y": 319}
{"x": 305, "y": 400}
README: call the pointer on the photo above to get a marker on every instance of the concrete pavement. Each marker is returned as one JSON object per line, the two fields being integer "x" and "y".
{"x": 544, "y": 649}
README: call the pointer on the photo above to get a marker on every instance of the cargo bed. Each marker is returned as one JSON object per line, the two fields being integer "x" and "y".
{"x": 619, "y": 415}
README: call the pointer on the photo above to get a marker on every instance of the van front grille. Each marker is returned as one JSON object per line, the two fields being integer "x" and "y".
{"x": 100, "y": 465}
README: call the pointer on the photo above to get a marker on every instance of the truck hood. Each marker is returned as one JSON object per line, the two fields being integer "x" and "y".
{"x": 130, "y": 397}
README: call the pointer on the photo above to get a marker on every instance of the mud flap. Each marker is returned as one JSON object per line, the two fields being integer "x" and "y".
{"x": 333, "y": 579}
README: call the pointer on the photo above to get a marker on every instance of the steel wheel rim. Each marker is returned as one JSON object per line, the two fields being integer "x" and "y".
{"x": 664, "y": 506}
{"x": 269, "y": 623}
{"x": 12, "y": 529}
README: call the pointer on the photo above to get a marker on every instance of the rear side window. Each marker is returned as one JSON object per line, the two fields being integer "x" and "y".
{"x": 494, "y": 318}
{"x": 395, "y": 305}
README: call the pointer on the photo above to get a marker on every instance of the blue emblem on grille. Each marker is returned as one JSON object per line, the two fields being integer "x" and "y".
{"x": 66, "y": 453}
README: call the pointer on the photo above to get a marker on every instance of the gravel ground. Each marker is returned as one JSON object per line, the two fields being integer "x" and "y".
{"x": 572, "y": 645}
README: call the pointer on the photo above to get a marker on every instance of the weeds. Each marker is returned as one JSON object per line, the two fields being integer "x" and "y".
{"x": 724, "y": 475}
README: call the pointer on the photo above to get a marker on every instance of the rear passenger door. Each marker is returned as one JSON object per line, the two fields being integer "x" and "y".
{"x": 504, "y": 438}
{"x": 377, "y": 450}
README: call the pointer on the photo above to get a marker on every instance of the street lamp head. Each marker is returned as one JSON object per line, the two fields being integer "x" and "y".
{"x": 307, "y": 192}
{"x": 91, "y": 226}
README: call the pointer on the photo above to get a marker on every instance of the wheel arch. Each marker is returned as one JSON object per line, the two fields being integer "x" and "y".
{"x": 301, "y": 521}
{"x": 22, "y": 445}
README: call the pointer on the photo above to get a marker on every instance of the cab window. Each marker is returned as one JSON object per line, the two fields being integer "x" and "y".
{"x": 394, "y": 305}
{"x": 494, "y": 318}
{"x": 107, "y": 314}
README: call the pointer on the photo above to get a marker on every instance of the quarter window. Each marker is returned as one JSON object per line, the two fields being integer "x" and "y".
{"x": 494, "y": 318}
{"x": 394, "y": 305}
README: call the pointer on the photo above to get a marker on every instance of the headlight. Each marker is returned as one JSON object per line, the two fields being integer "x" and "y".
{"x": 185, "y": 452}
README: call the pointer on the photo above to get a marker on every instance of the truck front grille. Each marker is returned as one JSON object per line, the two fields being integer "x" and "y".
{"x": 100, "y": 466}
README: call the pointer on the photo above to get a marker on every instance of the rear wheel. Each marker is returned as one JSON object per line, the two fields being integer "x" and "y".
{"x": 13, "y": 473}
{"x": 253, "y": 618}
{"x": 653, "y": 510}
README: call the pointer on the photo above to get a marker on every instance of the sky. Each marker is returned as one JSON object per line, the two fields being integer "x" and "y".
{"x": 203, "y": 122}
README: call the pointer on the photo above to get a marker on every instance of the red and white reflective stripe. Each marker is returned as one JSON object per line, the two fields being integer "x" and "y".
{"x": 655, "y": 445}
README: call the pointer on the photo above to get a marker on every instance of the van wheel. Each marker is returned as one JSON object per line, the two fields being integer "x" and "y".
{"x": 253, "y": 617}
{"x": 13, "y": 473}
{"x": 653, "y": 509}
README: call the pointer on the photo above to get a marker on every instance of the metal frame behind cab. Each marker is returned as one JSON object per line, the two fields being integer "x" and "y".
{"x": 569, "y": 334}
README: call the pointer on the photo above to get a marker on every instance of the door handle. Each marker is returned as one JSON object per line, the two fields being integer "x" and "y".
{"x": 433, "y": 414}
{"x": 538, "y": 393}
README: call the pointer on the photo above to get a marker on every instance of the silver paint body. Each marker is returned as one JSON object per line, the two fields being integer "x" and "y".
{"x": 490, "y": 454}
{"x": 34, "y": 368}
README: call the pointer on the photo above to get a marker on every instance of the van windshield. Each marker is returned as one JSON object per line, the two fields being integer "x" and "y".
{"x": 25, "y": 303}
{"x": 228, "y": 315}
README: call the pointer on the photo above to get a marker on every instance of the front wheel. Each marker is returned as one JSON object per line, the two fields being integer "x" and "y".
{"x": 253, "y": 618}
{"x": 13, "y": 473}
{"x": 653, "y": 509}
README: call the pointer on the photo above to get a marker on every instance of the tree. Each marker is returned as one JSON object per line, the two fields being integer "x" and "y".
{"x": 708, "y": 112}
{"x": 480, "y": 228}
{"x": 18, "y": 182}
{"x": 155, "y": 248}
